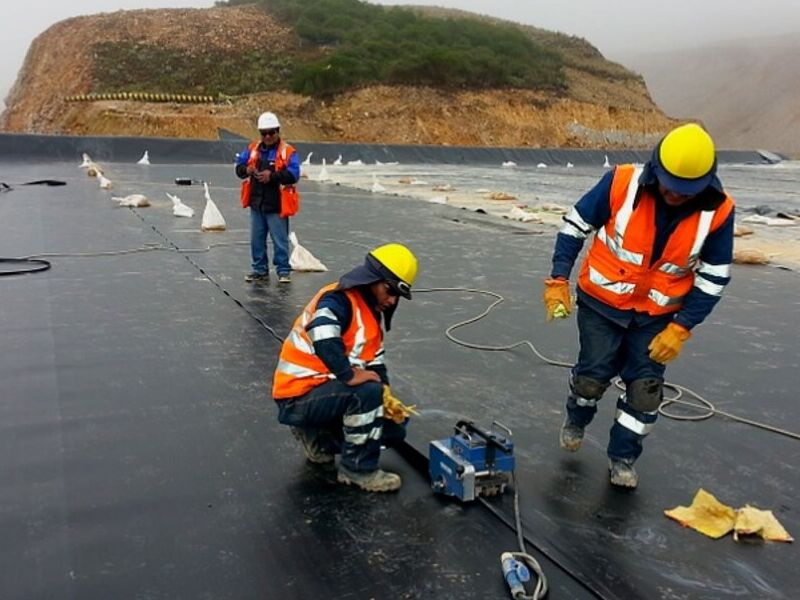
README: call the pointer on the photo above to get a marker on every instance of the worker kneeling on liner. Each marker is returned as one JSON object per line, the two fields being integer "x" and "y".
{"x": 659, "y": 261}
{"x": 330, "y": 379}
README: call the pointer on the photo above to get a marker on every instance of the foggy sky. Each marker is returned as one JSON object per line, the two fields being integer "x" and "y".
{"x": 618, "y": 28}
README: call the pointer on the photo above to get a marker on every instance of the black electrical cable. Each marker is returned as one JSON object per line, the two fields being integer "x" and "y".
{"x": 7, "y": 187}
{"x": 33, "y": 265}
{"x": 419, "y": 462}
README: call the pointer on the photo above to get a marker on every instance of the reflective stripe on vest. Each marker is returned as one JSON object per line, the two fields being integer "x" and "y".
{"x": 617, "y": 268}
{"x": 300, "y": 370}
{"x": 283, "y": 154}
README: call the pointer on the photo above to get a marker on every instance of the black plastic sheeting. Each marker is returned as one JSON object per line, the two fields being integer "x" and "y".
{"x": 140, "y": 456}
{"x": 181, "y": 151}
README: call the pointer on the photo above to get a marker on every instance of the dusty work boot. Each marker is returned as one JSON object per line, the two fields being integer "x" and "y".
{"x": 372, "y": 481}
{"x": 314, "y": 453}
{"x": 622, "y": 474}
{"x": 570, "y": 437}
{"x": 256, "y": 277}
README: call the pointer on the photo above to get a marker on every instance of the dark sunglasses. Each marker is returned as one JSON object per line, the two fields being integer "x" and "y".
{"x": 264, "y": 132}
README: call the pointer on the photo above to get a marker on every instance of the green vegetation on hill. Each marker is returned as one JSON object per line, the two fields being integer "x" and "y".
{"x": 369, "y": 44}
{"x": 132, "y": 66}
{"x": 346, "y": 44}
{"x": 575, "y": 51}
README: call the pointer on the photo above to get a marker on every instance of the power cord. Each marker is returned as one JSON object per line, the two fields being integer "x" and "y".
{"x": 31, "y": 265}
{"x": 706, "y": 405}
{"x": 517, "y": 566}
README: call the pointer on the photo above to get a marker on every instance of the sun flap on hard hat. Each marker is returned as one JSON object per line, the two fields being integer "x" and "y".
{"x": 685, "y": 160}
{"x": 399, "y": 260}
{"x": 393, "y": 263}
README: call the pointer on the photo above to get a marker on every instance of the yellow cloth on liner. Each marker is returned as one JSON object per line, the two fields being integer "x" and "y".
{"x": 710, "y": 517}
{"x": 751, "y": 520}
{"x": 394, "y": 409}
{"x": 706, "y": 514}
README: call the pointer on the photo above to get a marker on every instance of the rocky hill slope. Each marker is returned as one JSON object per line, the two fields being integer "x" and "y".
{"x": 744, "y": 91}
{"x": 604, "y": 106}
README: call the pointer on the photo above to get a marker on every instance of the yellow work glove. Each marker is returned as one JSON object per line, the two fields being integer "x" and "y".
{"x": 667, "y": 345}
{"x": 557, "y": 301}
{"x": 394, "y": 409}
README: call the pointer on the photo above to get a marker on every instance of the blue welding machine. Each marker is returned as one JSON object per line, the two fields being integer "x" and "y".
{"x": 473, "y": 462}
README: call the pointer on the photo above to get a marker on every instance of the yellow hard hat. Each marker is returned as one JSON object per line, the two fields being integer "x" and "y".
{"x": 685, "y": 160}
{"x": 400, "y": 263}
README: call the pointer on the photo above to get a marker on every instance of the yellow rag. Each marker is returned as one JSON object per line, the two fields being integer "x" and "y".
{"x": 706, "y": 514}
{"x": 394, "y": 409}
{"x": 753, "y": 521}
{"x": 710, "y": 517}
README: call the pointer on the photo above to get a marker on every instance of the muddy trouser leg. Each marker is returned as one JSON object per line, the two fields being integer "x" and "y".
{"x": 637, "y": 407}
{"x": 335, "y": 406}
{"x": 598, "y": 362}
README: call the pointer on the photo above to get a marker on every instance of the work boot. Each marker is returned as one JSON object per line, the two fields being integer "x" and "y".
{"x": 286, "y": 278}
{"x": 372, "y": 481}
{"x": 314, "y": 454}
{"x": 621, "y": 473}
{"x": 570, "y": 437}
{"x": 256, "y": 277}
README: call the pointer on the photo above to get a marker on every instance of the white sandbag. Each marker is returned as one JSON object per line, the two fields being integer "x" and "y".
{"x": 771, "y": 221}
{"x": 136, "y": 200}
{"x": 301, "y": 259}
{"x": 520, "y": 214}
{"x": 87, "y": 161}
{"x": 376, "y": 187}
{"x": 105, "y": 183}
{"x": 212, "y": 218}
{"x": 179, "y": 209}
{"x": 145, "y": 160}
{"x": 323, "y": 173}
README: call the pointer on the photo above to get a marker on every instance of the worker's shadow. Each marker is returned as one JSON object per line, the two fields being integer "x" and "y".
{"x": 579, "y": 491}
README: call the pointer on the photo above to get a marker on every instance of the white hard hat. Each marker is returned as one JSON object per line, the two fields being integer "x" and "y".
{"x": 268, "y": 120}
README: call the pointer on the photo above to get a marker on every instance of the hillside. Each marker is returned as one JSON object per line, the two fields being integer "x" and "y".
{"x": 601, "y": 104}
{"x": 744, "y": 91}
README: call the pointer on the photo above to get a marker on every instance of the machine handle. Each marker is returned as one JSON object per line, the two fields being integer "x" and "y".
{"x": 467, "y": 427}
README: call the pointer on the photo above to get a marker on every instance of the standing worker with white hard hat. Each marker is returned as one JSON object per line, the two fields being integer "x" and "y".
{"x": 331, "y": 383}
{"x": 659, "y": 261}
{"x": 270, "y": 169}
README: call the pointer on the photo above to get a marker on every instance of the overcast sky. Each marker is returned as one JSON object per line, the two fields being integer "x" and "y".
{"x": 616, "y": 27}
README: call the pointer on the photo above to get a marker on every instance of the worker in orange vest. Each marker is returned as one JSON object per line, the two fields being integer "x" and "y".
{"x": 269, "y": 169}
{"x": 658, "y": 263}
{"x": 331, "y": 381}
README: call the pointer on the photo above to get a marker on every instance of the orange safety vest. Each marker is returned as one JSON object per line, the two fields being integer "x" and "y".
{"x": 290, "y": 197}
{"x": 299, "y": 370}
{"x": 617, "y": 269}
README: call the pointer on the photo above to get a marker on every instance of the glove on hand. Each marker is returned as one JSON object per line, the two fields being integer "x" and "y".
{"x": 394, "y": 409}
{"x": 667, "y": 345}
{"x": 557, "y": 301}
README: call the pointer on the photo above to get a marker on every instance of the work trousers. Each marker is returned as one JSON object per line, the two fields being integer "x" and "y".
{"x": 608, "y": 349}
{"x": 340, "y": 418}
{"x": 261, "y": 225}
